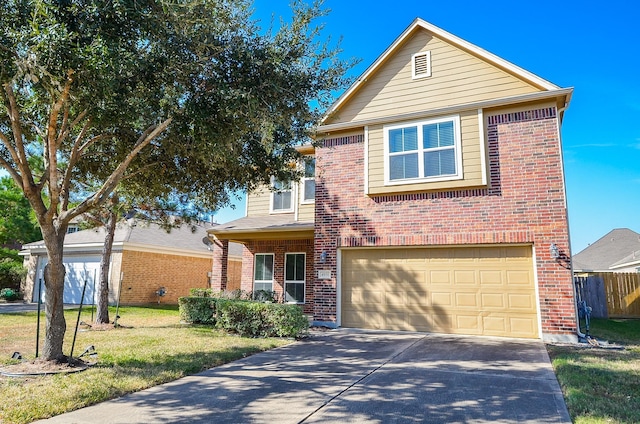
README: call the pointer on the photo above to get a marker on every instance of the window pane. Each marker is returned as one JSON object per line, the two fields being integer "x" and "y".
{"x": 290, "y": 266}
{"x": 259, "y": 269}
{"x": 266, "y": 286}
{"x": 445, "y": 130}
{"x": 310, "y": 167}
{"x": 282, "y": 200}
{"x": 430, "y": 136}
{"x": 438, "y": 135}
{"x": 309, "y": 189}
{"x": 295, "y": 267}
{"x": 281, "y": 185}
{"x": 268, "y": 267}
{"x": 403, "y": 139}
{"x": 294, "y": 292}
{"x": 300, "y": 267}
{"x": 441, "y": 162}
{"x": 403, "y": 166}
{"x": 264, "y": 267}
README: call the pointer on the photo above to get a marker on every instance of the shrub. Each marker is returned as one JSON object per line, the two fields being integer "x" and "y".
{"x": 11, "y": 273}
{"x": 287, "y": 321}
{"x": 9, "y": 294}
{"x": 198, "y": 310}
{"x": 244, "y": 317}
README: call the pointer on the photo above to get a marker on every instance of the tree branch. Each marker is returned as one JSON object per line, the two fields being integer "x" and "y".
{"x": 18, "y": 153}
{"x": 66, "y": 129}
{"x": 52, "y": 147}
{"x": 73, "y": 159}
{"x": 116, "y": 176}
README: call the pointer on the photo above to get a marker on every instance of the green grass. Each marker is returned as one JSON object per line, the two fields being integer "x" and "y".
{"x": 602, "y": 385}
{"x": 150, "y": 348}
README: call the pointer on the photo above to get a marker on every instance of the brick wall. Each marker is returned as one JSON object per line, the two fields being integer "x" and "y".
{"x": 146, "y": 272}
{"x": 279, "y": 248}
{"x": 524, "y": 203}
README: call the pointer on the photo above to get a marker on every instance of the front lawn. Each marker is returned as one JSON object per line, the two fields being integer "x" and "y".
{"x": 602, "y": 385}
{"x": 151, "y": 347}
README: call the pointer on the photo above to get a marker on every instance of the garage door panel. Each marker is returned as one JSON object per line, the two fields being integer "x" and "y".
{"x": 493, "y": 301}
{"x": 418, "y": 298}
{"x": 490, "y": 278}
{"x": 442, "y": 299}
{"x": 524, "y": 301}
{"x": 441, "y": 278}
{"x": 474, "y": 290}
{"x": 465, "y": 278}
{"x": 466, "y": 300}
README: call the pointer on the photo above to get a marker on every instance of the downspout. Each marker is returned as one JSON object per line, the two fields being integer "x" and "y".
{"x": 566, "y": 208}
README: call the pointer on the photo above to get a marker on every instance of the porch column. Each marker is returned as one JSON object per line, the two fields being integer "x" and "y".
{"x": 220, "y": 250}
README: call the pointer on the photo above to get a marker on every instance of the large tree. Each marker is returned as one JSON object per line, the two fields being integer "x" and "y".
{"x": 184, "y": 97}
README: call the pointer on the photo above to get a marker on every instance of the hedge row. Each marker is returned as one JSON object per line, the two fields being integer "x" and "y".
{"x": 247, "y": 318}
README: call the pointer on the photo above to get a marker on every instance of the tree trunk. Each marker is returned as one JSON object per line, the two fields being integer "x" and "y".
{"x": 102, "y": 311}
{"x": 54, "y": 273}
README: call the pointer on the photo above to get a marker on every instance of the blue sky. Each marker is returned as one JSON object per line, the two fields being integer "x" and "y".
{"x": 591, "y": 46}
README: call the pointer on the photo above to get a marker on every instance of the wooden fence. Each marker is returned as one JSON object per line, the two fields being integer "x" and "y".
{"x": 610, "y": 294}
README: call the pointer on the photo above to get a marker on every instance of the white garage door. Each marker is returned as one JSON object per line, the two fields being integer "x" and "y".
{"x": 466, "y": 290}
{"x": 79, "y": 269}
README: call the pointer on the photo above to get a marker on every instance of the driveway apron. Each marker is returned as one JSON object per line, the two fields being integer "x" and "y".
{"x": 362, "y": 376}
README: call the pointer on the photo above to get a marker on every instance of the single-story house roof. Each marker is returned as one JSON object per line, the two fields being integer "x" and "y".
{"x": 251, "y": 226}
{"x": 139, "y": 234}
{"x": 612, "y": 250}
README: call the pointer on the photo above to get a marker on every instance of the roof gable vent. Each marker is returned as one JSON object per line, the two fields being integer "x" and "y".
{"x": 421, "y": 64}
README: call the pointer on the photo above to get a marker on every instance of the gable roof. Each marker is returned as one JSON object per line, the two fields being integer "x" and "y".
{"x": 141, "y": 235}
{"x": 611, "y": 249}
{"x": 547, "y": 88}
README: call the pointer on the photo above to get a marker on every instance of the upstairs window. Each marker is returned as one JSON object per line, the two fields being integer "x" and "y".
{"x": 309, "y": 180}
{"x": 282, "y": 196}
{"x": 423, "y": 151}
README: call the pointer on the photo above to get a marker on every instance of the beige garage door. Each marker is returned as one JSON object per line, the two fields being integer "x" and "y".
{"x": 470, "y": 290}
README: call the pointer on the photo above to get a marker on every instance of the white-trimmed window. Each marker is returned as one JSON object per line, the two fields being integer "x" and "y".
{"x": 309, "y": 180}
{"x": 281, "y": 196}
{"x": 421, "y": 65}
{"x": 294, "y": 277}
{"x": 263, "y": 272}
{"x": 423, "y": 151}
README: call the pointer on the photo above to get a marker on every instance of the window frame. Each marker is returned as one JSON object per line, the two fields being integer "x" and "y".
{"x": 304, "y": 179}
{"x": 457, "y": 146}
{"x": 290, "y": 190}
{"x": 303, "y": 281}
{"x": 255, "y": 268}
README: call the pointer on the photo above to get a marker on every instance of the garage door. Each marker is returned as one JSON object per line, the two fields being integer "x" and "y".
{"x": 78, "y": 270}
{"x": 471, "y": 290}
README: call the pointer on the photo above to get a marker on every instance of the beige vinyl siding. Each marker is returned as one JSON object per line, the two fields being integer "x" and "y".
{"x": 306, "y": 212}
{"x": 471, "y": 160}
{"x": 458, "y": 77}
{"x": 259, "y": 202}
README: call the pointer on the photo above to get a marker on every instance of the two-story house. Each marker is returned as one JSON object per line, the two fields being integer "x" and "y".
{"x": 435, "y": 201}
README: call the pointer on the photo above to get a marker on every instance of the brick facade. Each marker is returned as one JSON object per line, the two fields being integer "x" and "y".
{"x": 279, "y": 248}
{"x": 145, "y": 272}
{"x": 524, "y": 202}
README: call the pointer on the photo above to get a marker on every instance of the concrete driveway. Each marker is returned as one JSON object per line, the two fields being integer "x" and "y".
{"x": 357, "y": 376}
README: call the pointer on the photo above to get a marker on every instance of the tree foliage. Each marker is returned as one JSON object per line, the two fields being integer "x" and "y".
{"x": 17, "y": 222}
{"x": 185, "y": 99}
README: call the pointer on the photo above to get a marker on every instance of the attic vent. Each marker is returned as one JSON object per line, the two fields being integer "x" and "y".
{"x": 421, "y": 65}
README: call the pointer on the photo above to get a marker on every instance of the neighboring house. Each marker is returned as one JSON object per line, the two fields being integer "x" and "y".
{"x": 145, "y": 257}
{"x": 616, "y": 251}
{"x": 435, "y": 198}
